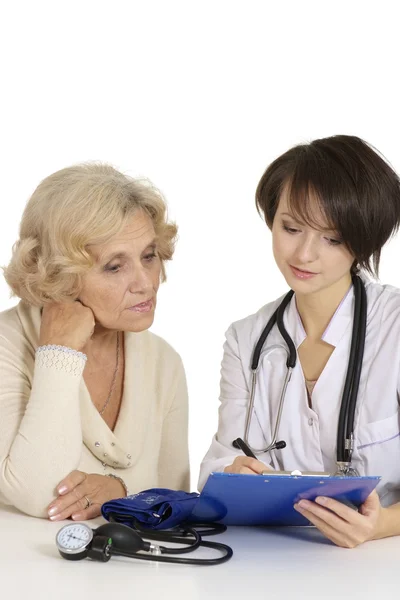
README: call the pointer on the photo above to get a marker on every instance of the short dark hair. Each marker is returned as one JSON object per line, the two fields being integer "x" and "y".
{"x": 358, "y": 192}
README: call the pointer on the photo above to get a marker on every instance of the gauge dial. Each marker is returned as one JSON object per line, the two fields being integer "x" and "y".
{"x": 73, "y": 540}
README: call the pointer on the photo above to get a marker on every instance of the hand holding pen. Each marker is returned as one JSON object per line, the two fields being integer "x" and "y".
{"x": 248, "y": 464}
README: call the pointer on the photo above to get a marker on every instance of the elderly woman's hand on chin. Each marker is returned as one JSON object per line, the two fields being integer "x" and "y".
{"x": 68, "y": 324}
{"x": 82, "y": 494}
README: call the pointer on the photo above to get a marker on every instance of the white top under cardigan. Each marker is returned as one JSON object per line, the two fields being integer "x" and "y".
{"x": 49, "y": 426}
{"x": 310, "y": 431}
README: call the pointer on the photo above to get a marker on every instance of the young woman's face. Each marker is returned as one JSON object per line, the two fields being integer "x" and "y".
{"x": 310, "y": 259}
{"x": 121, "y": 288}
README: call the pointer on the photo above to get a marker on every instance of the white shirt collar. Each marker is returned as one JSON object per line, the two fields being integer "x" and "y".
{"x": 336, "y": 328}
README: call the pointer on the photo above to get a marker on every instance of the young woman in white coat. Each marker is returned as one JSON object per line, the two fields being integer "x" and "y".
{"x": 331, "y": 206}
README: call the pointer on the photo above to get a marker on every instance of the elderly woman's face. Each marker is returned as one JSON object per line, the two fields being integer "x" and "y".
{"x": 121, "y": 288}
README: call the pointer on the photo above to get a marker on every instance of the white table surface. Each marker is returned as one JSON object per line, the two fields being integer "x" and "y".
{"x": 267, "y": 563}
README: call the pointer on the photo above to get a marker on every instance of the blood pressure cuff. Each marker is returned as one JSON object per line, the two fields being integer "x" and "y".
{"x": 156, "y": 508}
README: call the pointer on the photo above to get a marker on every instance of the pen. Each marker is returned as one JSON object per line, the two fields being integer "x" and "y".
{"x": 239, "y": 443}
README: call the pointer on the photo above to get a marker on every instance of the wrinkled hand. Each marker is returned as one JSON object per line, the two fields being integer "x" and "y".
{"x": 74, "y": 491}
{"x": 66, "y": 324}
{"x": 342, "y": 525}
{"x": 246, "y": 466}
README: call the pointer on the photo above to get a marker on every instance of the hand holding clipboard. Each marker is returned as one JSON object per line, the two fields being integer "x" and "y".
{"x": 269, "y": 498}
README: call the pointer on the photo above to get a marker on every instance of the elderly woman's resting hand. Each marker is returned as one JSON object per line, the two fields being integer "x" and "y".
{"x": 67, "y": 324}
{"x": 77, "y": 489}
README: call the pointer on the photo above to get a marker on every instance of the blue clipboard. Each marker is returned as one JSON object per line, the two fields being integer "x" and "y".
{"x": 234, "y": 499}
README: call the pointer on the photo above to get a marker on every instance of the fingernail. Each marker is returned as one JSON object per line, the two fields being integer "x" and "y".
{"x": 53, "y": 510}
{"x": 321, "y": 500}
{"x": 62, "y": 489}
{"x": 55, "y": 518}
{"x": 303, "y": 504}
{"x": 75, "y": 517}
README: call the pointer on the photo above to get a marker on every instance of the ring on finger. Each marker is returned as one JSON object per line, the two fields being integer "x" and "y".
{"x": 88, "y": 502}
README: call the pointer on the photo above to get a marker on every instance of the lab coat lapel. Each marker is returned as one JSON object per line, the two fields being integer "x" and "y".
{"x": 341, "y": 320}
{"x": 336, "y": 328}
{"x": 293, "y": 324}
{"x": 328, "y": 391}
{"x": 331, "y": 381}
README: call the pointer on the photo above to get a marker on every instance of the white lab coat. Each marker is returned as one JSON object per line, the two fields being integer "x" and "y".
{"x": 310, "y": 433}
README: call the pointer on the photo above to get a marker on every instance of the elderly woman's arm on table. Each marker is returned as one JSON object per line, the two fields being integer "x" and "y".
{"x": 40, "y": 425}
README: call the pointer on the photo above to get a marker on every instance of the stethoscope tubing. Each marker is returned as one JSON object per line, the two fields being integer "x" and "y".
{"x": 344, "y": 442}
{"x": 250, "y": 409}
{"x": 189, "y": 534}
{"x": 350, "y": 391}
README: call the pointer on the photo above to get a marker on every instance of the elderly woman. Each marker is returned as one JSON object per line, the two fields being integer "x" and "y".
{"x": 91, "y": 403}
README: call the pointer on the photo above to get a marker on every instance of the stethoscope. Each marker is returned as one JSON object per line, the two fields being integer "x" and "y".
{"x": 345, "y": 431}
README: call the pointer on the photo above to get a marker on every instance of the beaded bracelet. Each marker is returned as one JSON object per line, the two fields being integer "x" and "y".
{"x": 122, "y": 482}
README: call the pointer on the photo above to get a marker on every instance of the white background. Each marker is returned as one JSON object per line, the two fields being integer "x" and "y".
{"x": 199, "y": 96}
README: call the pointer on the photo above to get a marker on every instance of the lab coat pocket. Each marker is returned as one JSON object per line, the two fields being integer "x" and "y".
{"x": 378, "y": 447}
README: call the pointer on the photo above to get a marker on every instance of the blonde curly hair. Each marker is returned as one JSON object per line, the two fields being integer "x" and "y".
{"x": 70, "y": 210}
